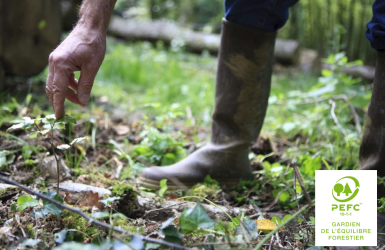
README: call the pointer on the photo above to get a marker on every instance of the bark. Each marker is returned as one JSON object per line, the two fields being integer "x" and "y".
{"x": 29, "y": 31}
{"x": 286, "y": 51}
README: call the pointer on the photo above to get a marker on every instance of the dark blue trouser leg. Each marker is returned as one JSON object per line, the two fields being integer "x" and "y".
{"x": 376, "y": 27}
{"x": 259, "y": 14}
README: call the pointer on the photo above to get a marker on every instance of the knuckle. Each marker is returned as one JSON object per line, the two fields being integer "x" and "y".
{"x": 57, "y": 59}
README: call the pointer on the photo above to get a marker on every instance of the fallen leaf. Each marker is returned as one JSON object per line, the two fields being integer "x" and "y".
{"x": 91, "y": 199}
{"x": 121, "y": 129}
{"x": 265, "y": 224}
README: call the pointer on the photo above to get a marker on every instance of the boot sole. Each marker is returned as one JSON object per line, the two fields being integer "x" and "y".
{"x": 148, "y": 183}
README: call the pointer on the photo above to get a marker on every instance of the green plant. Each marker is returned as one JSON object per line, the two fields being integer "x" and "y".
{"x": 49, "y": 125}
{"x": 159, "y": 148}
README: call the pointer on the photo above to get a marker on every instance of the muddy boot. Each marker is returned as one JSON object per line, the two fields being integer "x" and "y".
{"x": 372, "y": 149}
{"x": 242, "y": 91}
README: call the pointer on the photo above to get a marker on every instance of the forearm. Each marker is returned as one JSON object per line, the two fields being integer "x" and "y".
{"x": 96, "y": 14}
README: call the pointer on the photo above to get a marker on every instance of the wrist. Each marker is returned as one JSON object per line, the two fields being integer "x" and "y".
{"x": 94, "y": 15}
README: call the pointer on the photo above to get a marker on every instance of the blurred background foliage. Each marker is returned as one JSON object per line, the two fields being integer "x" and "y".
{"x": 324, "y": 25}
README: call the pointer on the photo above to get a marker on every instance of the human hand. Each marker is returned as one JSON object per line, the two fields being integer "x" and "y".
{"x": 83, "y": 50}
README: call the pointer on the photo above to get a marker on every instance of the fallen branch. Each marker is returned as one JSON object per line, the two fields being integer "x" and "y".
{"x": 90, "y": 220}
{"x": 269, "y": 235}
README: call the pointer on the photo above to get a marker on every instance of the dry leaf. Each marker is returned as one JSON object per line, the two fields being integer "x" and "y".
{"x": 121, "y": 129}
{"x": 265, "y": 224}
{"x": 91, "y": 199}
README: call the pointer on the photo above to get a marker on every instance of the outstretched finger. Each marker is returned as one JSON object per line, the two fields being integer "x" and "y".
{"x": 59, "y": 90}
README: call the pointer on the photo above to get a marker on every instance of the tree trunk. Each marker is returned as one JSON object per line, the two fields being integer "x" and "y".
{"x": 29, "y": 31}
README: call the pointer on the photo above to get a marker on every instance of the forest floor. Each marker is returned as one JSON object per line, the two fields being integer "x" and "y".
{"x": 152, "y": 106}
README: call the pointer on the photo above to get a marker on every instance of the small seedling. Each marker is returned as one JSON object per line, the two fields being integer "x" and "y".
{"x": 49, "y": 124}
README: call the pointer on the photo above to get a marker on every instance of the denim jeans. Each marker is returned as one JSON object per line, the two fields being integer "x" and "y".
{"x": 273, "y": 14}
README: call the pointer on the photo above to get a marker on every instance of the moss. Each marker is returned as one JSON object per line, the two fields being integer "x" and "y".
{"x": 30, "y": 163}
{"x": 7, "y": 191}
{"x": 72, "y": 220}
{"x": 80, "y": 171}
{"x": 127, "y": 203}
{"x": 124, "y": 224}
{"x": 31, "y": 232}
{"x": 121, "y": 189}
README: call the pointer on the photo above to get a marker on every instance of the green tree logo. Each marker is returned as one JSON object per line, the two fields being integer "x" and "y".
{"x": 339, "y": 188}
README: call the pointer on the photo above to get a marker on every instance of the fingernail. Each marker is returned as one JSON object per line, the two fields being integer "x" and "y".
{"x": 84, "y": 98}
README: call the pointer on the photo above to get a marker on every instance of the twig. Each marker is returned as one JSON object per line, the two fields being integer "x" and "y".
{"x": 335, "y": 119}
{"x": 295, "y": 194}
{"x": 269, "y": 235}
{"x": 90, "y": 220}
{"x": 301, "y": 184}
{"x": 158, "y": 209}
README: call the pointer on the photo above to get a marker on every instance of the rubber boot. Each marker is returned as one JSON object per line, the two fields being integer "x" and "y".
{"x": 372, "y": 149}
{"x": 241, "y": 98}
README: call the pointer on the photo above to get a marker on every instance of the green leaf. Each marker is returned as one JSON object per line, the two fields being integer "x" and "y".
{"x": 49, "y": 208}
{"x": 284, "y": 197}
{"x": 191, "y": 219}
{"x": 61, "y": 236}
{"x": 276, "y": 220}
{"x": 100, "y": 215}
{"x": 172, "y": 234}
{"x": 59, "y": 125}
{"x": 163, "y": 187}
{"x": 109, "y": 200}
{"x": 326, "y": 72}
{"x": 42, "y": 132}
{"x": 68, "y": 119}
{"x": 63, "y": 147}
{"x": 25, "y": 201}
{"x": 119, "y": 215}
{"x": 286, "y": 217}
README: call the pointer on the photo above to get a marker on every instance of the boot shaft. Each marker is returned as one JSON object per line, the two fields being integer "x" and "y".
{"x": 243, "y": 83}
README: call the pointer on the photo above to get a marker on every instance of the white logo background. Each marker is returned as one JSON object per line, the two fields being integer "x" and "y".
{"x": 366, "y": 198}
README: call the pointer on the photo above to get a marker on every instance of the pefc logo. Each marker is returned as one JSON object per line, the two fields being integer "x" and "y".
{"x": 342, "y": 189}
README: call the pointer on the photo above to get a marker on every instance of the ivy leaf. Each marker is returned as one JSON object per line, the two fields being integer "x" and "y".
{"x": 163, "y": 187}
{"x": 172, "y": 234}
{"x": 25, "y": 201}
{"x": 63, "y": 147}
{"x": 61, "y": 236}
{"x": 49, "y": 208}
{"x": 109, "y": 200}
{"x": 191, "y": 219}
